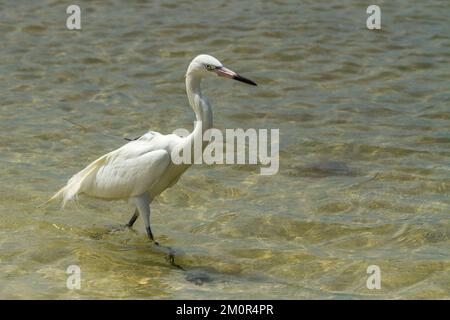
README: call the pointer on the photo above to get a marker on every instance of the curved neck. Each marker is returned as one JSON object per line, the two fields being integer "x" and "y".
{"x": 199, "y": 103}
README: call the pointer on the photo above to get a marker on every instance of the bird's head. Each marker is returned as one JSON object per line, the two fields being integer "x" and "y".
{"x": 205, "y": 64}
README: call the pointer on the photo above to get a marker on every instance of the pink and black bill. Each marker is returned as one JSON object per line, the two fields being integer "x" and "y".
{"x": 227, "y": 73}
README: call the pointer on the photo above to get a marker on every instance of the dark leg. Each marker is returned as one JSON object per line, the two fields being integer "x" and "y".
{"x": 150, "y": 235}
{"x": 143, "y": 207}
{"x": 133, "y": 218}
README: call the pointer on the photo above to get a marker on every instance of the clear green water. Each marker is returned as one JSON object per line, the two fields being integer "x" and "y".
{"x": 365, "y": 149}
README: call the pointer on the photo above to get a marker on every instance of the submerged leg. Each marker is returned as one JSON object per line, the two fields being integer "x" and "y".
{"x": 143, "y": 206}
{"x": 133, "y": 218}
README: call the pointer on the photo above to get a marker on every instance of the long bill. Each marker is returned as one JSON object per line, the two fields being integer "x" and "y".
{"x": 227, "y": 73}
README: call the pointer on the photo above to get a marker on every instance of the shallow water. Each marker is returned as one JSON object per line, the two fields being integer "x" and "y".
{"x": 364, "y": 149}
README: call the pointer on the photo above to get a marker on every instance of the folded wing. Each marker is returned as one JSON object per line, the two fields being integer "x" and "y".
{"x": 126, "y": 172}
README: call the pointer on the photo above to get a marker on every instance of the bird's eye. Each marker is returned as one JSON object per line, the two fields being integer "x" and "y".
{"x": 209, "y": 67}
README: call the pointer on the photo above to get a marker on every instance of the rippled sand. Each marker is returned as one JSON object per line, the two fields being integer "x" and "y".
{"x": 365, "y": 149}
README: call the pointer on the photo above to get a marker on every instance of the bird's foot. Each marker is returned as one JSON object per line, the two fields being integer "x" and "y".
{"x": 117, "y": 228}
{"x": 170, "y": 253}
{"x": 108, "y": 231}
{"x": 171, "y": 259}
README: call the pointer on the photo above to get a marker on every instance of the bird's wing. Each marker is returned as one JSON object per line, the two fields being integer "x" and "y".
{"x": 126, "y": 172}
{"x": 148, "y": 136}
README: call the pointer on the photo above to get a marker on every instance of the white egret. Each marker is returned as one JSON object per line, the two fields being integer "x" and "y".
{"x": 142, "y": 169}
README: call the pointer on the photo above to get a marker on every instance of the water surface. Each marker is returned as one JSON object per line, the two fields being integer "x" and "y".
{"x": 364, "y": 149}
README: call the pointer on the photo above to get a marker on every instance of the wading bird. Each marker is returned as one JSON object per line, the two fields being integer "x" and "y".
{"x": 142, "y": 169}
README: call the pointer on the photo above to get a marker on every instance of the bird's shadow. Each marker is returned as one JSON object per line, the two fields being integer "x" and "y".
{"x": 169, "y": 252}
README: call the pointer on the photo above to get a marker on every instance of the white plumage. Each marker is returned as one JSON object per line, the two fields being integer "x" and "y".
{"x": 142, "y": 169}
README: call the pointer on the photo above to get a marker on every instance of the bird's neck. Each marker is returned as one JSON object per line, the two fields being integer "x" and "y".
{"x": 199, "y": 103}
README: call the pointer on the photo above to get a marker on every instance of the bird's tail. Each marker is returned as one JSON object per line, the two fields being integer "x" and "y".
{"x": 74, "y": 185}
{"x": 66, "y": 193}
{"x": 56, "y": 196}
